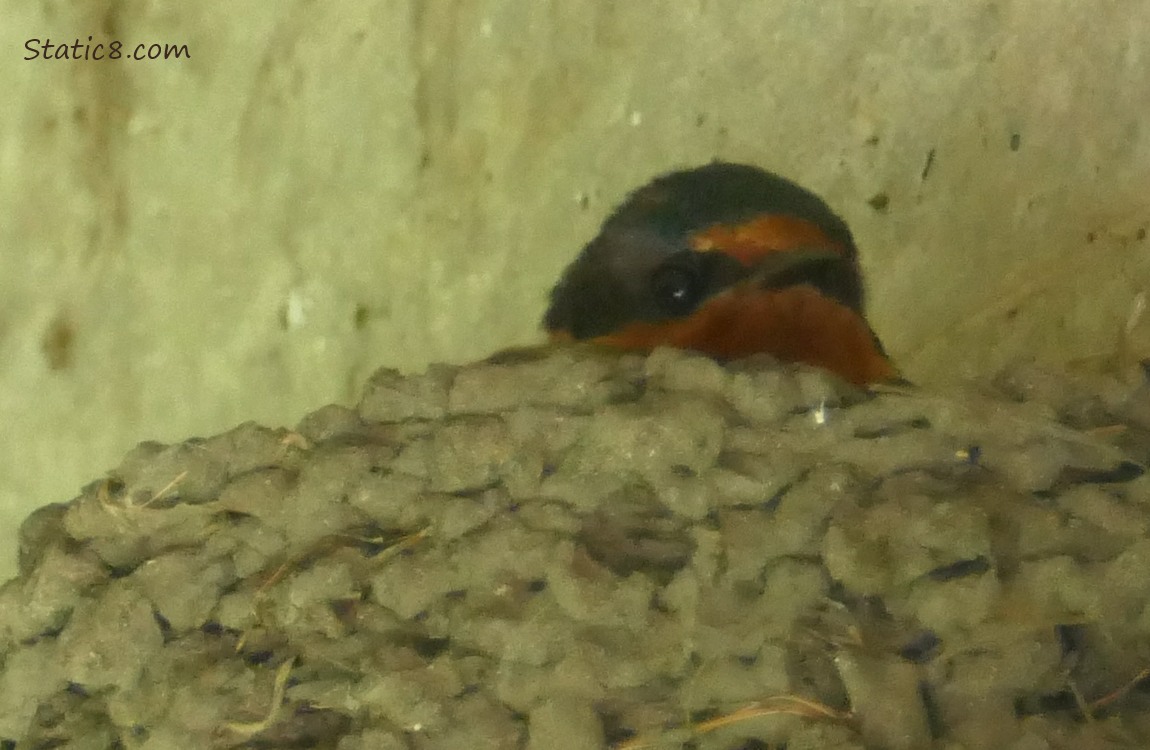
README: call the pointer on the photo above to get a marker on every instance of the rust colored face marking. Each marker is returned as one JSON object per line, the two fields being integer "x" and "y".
{"x": 749, "y": 241}
{"x": 797, "y": 324}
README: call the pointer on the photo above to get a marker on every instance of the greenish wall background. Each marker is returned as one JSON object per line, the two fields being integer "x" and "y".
{"x": 324, "y": 188}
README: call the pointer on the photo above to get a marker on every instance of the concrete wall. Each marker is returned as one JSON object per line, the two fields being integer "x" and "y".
{"x": 324, "y": 188}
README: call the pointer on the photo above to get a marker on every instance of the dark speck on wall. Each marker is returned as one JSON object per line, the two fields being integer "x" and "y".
{"x": 361, "y": 316}
{"x": 879, "y": 202}
{"x": 1015, "y": 141}
{"x": 928, "y": 165}
{"x": 57, "y": 343}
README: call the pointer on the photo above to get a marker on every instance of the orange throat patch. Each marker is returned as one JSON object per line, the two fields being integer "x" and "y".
{"x": 797, "y": 324}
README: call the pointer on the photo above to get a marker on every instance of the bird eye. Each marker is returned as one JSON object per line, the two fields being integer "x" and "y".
{"x": 677, "y": 287}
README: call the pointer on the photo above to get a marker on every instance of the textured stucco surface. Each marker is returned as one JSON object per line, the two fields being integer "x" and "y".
{"x": 328, "y": 187}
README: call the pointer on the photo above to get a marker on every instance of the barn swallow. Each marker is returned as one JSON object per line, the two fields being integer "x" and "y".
{"x": 728, "y": 260}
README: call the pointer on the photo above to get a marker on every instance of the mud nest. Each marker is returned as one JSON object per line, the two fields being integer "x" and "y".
{"x": 574, "y": 550}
